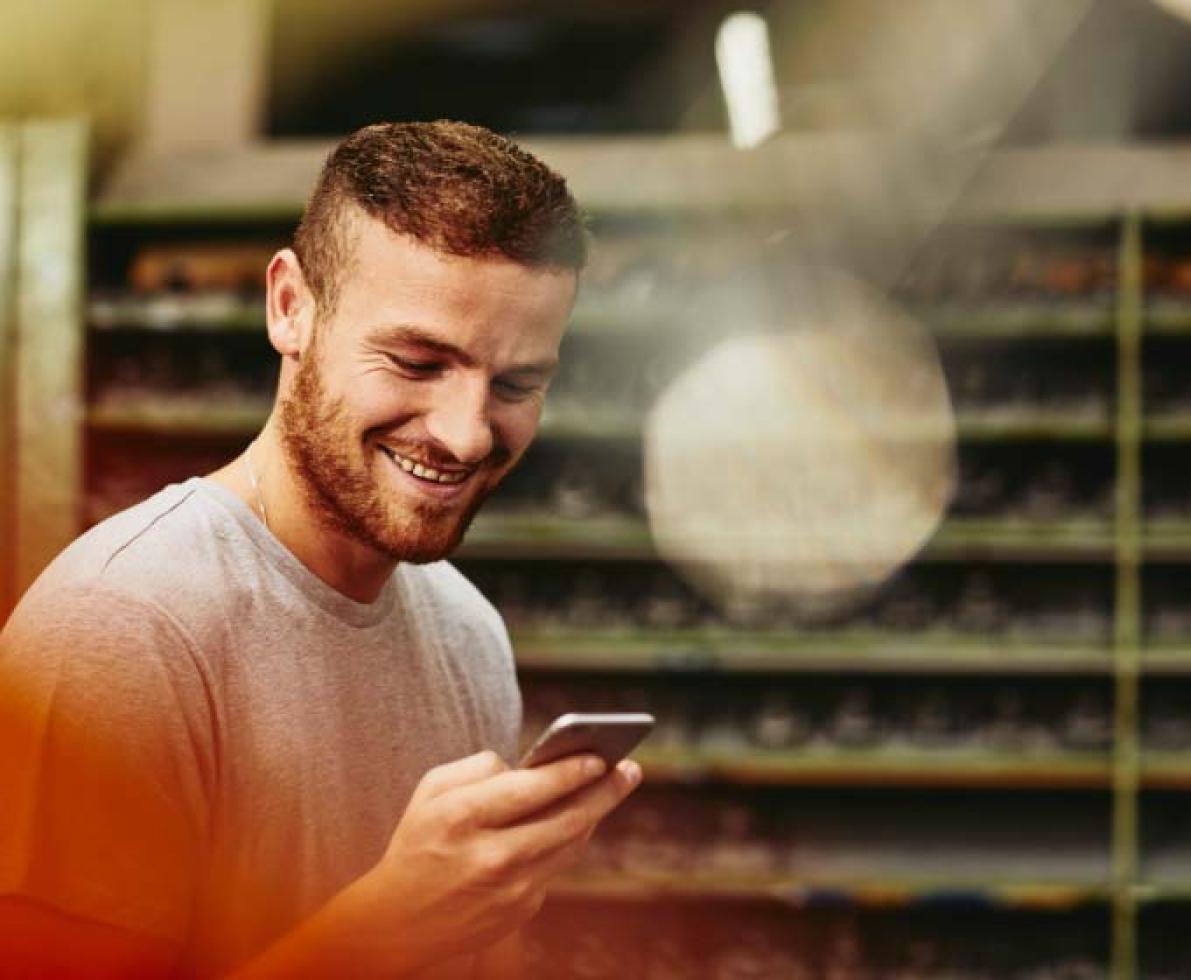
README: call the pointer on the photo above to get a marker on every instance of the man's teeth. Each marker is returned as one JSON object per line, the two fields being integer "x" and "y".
{"x": 426, "y": 472}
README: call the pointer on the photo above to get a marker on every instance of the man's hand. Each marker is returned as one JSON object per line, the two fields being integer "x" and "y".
{"x": 479, "y": 843}
{"x": 468, "y": 863}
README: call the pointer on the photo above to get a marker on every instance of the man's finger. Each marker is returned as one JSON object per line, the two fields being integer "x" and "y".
{"x": 573, "y": 818}
{"x": 460, "y": 773}
{"x": 516, "y": 794}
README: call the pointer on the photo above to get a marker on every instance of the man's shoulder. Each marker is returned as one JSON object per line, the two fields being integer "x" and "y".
{"x": 158, "y": 552}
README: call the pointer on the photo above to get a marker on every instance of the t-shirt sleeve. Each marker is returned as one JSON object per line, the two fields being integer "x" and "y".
{"x": 105, "y": 761}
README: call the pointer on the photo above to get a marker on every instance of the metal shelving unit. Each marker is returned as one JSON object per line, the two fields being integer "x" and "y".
{"x": 155, "y": 196}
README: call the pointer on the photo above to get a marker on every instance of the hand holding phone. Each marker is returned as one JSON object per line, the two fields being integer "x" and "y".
{"x": 610, "y": 735}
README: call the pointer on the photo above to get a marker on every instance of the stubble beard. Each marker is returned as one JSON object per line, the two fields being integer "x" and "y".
{"x": 341, "y": 487}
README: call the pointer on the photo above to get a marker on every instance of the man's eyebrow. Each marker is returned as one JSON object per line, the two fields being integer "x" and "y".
{"x": 393, "y": 334}
{"x": 390, "y": 335}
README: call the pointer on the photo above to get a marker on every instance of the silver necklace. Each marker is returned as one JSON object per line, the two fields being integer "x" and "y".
{"x": 256, "y": 489}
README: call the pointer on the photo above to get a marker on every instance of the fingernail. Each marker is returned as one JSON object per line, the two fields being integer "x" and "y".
{"x": 632, "y": 773}
{"x": 594, "y": 766}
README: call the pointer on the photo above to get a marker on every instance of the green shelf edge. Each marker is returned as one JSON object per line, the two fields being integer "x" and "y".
{"x": 798, "y": 891}
{"x": 901, "y": 767}
{"x": 1024, "y": 320}
{"x": 1152, "y": 892}
{"x": 742, "y": 652}
{"x": 607, "y": 318}
{"x": 161, "y": 415}
{"x": 958, "y": 538}
{"x": 939, "y": 769}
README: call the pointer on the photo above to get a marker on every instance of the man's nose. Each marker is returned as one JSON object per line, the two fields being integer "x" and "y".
{"x": 459, "y": 421}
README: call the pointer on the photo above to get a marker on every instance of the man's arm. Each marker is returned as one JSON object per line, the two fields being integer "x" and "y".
{"x": 503, "y": 960}
{"x": 38, "y": 941}
{"x": 468, "y": 864}
{"x": 102, "y": 788}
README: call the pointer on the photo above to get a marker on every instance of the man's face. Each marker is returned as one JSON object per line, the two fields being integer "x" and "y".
{"x": 421, "y": 391}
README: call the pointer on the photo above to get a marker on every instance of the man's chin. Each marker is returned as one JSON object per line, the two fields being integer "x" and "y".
{"x": 423, "y": 547}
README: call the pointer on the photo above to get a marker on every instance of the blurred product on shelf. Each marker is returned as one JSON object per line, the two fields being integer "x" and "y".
{"x": 985, "y": 269}
{"x": 1050, "y": 494}
{"x": 697, "y": 943}
{"x": 853, "y": 722}
{"x": 780, "y": 722}
{"x": 979, "y": 609}
{"x": 175, "y": 311}
{"x": 844, "y": 954}
{"x": 649, "y": 839}
{"x": 982, "y": 487}
{"x": 737, "y": 720}
{"x": 931, "y": 720}
{"x": 594, "y": 956}
{"x": 1012, "y": 727}
{"x": 1166, "y": 720}
{"x": 755, "y": 953}
{"x": 1087, "y": 724}
{"x": 734, "y": 843}
{"x": 906, "y": 608}
{"x": 668, "y": 957}
{"x": 192, "y": 267}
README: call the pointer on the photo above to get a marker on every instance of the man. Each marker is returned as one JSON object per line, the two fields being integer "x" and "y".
{"x": 254, "y": 724}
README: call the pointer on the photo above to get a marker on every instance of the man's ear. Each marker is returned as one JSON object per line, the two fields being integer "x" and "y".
{"x": 289, "y": 305}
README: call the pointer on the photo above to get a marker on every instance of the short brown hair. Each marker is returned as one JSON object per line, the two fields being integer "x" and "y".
{"x": 461, "y": 189}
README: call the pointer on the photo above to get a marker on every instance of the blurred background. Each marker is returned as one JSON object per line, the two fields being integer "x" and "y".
{"x": 970, "y": 756}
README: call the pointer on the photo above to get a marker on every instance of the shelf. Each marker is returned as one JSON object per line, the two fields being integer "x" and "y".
{"x": 495, "y": 535}
{"x": 214, "y": 313}
{"x": 1167, "y": 427}
{"x": 1167, "y": 317}
{"x": 802, "y": 891}
{"x": 539, "y": 536}
{"x": 1166, "y": 770}
{"x": 232, "y": 313}
{"x": 604, "y": 317}
{"x": 1070, "y": 184}
{"x": 1172, "y": 660}
{"x": 900, "y": 766}
{"x": 168, "y": 414}
{"x": 1050, "y": 425}
{"x": 1014, "y": 538}
{"x": 242, "y": 417}
{"x": 1024, "y": 319}
{"x": 179, "y": 416}
{"x": 1162, "y": 891}
{"x": 1167, "y": 539}
{"x": 889, "y": 767}
{"x": 724, "y": 651}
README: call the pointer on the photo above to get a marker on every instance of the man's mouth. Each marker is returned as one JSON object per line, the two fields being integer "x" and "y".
{"x": 427, "y": 473}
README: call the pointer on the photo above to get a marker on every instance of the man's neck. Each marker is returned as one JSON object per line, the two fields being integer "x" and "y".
{"x": 262, "y": 478}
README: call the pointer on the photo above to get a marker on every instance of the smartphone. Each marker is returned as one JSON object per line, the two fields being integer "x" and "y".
{"x": 610, "y": 735}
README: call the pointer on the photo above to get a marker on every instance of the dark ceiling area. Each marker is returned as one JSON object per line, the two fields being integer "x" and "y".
{"x": 523, "y": 71}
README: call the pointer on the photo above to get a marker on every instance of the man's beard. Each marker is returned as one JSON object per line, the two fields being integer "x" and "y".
{"x": 345, "y": 493}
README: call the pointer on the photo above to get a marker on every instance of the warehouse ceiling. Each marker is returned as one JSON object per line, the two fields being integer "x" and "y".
{"x": 519, "y": 66}
{"x": 597, "y": 66}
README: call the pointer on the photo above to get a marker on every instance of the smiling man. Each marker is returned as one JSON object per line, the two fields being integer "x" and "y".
{"x": 255, "y": 725}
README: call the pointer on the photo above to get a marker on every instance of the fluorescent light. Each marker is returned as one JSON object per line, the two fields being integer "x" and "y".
{"x": 746, "y": 76}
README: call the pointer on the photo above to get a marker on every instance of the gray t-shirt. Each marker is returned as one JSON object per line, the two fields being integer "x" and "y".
{"x": 201, "y": 740}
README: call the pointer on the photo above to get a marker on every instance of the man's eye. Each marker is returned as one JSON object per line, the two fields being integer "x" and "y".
{"x": 512, "y": 390}
{"x": 415, "y": 367}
